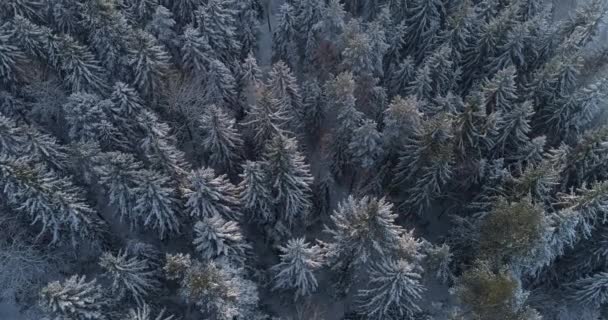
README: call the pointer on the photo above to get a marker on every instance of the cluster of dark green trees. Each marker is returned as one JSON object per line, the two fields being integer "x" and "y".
{"x": 161, "y": 160}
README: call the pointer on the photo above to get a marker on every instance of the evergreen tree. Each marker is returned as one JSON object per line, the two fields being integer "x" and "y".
{"x": 394, "y": 293}
{"x": 143, "y": 313}
{"x": 220, "y": 291}
{"x": 216, "y": 20}
{"x": 129, "y": 275}
{"x": 126, "y": 105}
{"x": 285, "y": 90}
{"x": 285, "y": 34}
{"x": 209, "y": 195}
{"x": 426, "y": 162}
{"x": 401, "y": 78}
{"x": 295, "y": 271}
{"x": 366, "y": 145}
{"x": 78, "y": 67}
{"x": 363, "y": 230}
{"x": 195, "y": 50}
{"x": 155, "y": 203}
{"x": 185, "y": 10}
{"x": 221, "y": 140}
{"x": 85, "y": 118}
{"x": 46, "y": 199}
{"x": 424, "y": 22}
{"x": 215, "y": 238}
{"x": 313, "y": 105}
{"x": 254, "y": 194}
{"x": 264, "y": 120}
{"x": 289, "y": 179}
{"x": 118, "y": 174}
{"x": 73, "y": 298}
{"x": 401, "y": 120}
{"x": 25, "y": 8}
{"x": 140, "y": 10}
{"x": 149, "y": 64}
{"x": 500, "y": 93}
{"x": 162, "y": 25}
{"x": 248, "y": 25}
{"x": 513, "y": 129}
{"x": 358, "y": 50}
{"x": 27, "y": 36}
{"x": 219, "y": 86}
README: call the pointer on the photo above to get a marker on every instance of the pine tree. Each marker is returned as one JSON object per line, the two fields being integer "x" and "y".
{"x": 341, "y": 91}
{"x": 185, "y": 10}
{"x": 363, "y": 230}
{"x": 129, "y": 275}
{"x": 400, "y": 79}
{"x": 590, "y": 291}
{"x": 219, "y": 290}
{"x": 426, "y": 163}
{"x": 27, "y": 36}
{"x": 162, "y": 26}
{"x": 126, "y": 104}
{"x": 295, "y": 271}
{"x": 195, "y": 50}
{"x": 248, "y": 25}
{"x": 220, "y": 85}
{"x": 254, "y": 194}
{"x": 214, "y": 237}
{"x": 63, "y": 15}
{"x": 155, "y": 203}
{"x": 221, "y": 141}
{"x": 143, "y": 313}
{"x": 25, "y": 8}
{"x": 289, "y": 179}
{"x": 401, "y": 120}
{"x": 358, "y": 50}
{"x": 285, "y": 34}
{"x": 46, "y": 199}
{"x": 73, "y": 298}
{"x": 140, "y": 10}
{"x": 424, "y": 22}
{"x": 513, "y": 128}
{"x": 422, "y": 84}
{"x": 500, "y": 93}
{"x": 394, "y": 293}
{"x": 313, "y": 108}
{"x": 86, "y": 120}
{"x": 209, "y": 195}
{"x": 366, "y": 145}
{"x": 78, "y": 66}
{"x": 285, "y": 90}
{"x": 216, "y": 20}
{"x": 118, "y": 174}
{"x": 264, "y": 120}
{"x": 149, "y": 64}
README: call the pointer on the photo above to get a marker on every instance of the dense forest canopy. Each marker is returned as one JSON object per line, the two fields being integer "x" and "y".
{"x": 303, "y": 159}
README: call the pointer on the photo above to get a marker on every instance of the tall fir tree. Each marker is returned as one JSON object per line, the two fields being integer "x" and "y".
{"x": 299, "y": 260}
{"x": 209, "y": 195}
{"x": 74, "y": 298}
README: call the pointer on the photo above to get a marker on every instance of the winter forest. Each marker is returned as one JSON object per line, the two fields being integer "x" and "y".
{"x": 303, "y": 159}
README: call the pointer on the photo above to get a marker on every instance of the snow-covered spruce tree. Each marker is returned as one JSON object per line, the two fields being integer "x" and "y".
{"x": 500, "y": 92}
{"x": 254, "y": 195}
{"x": 584, "y": 161}
{"x": 139, "y": 10}
{"x": 358, "y": 52}
{"x": 144, "y": 313}
{"x": 159, "y": 146}
{"x": 26, "y": 8}
{"x": 162, "y": 26}
{"x": 423, "y": 25}
{"x": 285, "y": 34}
{"x": 313, "y": 108}
{"x": 220, "y": 85}
{"x": 591, "y": 291}
{"x": 126, "y": 104}
{"x": 156, "y": 204}
{"x": 219, "y": 290}
{"x": 149, "y": 63}
{"x": 363, "y": 230}
{"x": 74, "y": 298}
{"x": 308, "y": 13}
{"x": 264, "y": 119}
{"x": 426, "y": 162}
{"x": 512, "y": 130}
{"x": 221, "y": 141}
{"x": 118, "y": 175}
{"x": 438, "y": 261}
{"x": 289, "y": 180}
{"x": 86, "y": 120}
{"x": 130, "y": 276}
{"x": 53, "y": 202}
{"x": 394, "y": 291}
{"x": 366, "y": 145}
{"x": 341, "y": 92}
{"x": 400, "y": 78}
{"x": 185, "y": 10}
{"x": 474, "y": 129}
{"x": 248, "y": 24}
{"x": 214, "y": 238}
{"x": 208, "y": 195}
{"x": 401, "y": 120}
{"x": 78, "y": 66}
{"x": 217, "y": 21}
{"x": 284, "y": 88}
{"x": 249, "y": 79}
{"x": 195, "y": 51}
{"x": 299, "y": 260}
